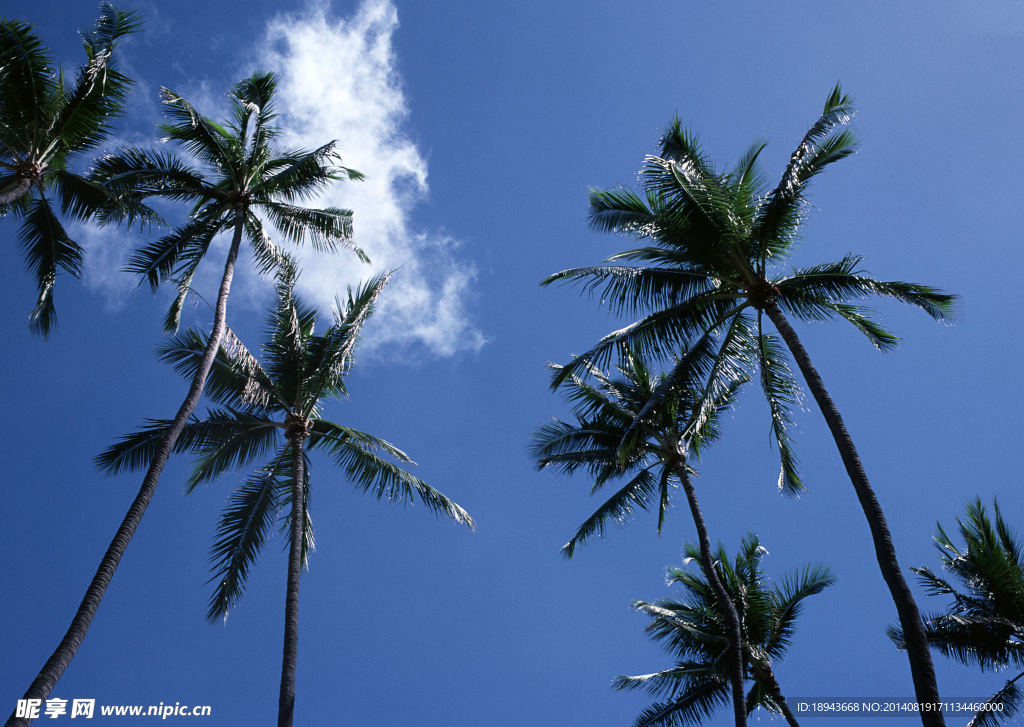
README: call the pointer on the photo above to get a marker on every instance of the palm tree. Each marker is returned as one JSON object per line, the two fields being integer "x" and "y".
{"x": 693, "y": 628}
{"x": 277, "y": 409}
{"x": 44, "y": 126}
{"x": 242, "y": 173}
{"x": 710, "y": 266}
{"x": 618, "y": 435}
{"x": 984, "y": 625}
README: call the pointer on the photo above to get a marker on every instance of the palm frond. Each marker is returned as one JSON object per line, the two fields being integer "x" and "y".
{"x": 370, "y": 473}
{"x": 618, "y": 508}
{"x": 241, "y": 533}
{"x": 230, "y": 440}
{"x": 328, "y": 229}
{"x": 46, "y": 246}
{"x": 184, "y": 247}
{"x": 1001, "y": 707}
{"x": 332, "y": 353}
{"x": 236, "y": 377}
{"x": 133, "y": 452}
{"x": 782, "y": 394}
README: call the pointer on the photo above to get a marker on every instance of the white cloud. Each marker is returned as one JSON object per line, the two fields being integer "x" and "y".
{"x": 337, "y": 80}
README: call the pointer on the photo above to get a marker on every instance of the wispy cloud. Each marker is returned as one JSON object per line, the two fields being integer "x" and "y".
{"x": 338, "y": 81}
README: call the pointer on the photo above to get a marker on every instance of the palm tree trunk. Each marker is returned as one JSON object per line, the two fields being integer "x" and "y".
{"x": 289, "y": 661}
{"x": 771, "y": 685}
{"x": 732, "y": 617}
{"x": 11, "y": 194}
{"x": 921, "y": 668}
{"x": 65, "y": 652}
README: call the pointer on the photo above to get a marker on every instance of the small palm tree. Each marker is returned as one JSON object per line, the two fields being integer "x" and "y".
{"x": 984, "y": 625}
{"x": 710, "y": 265}
{"x": 242, "y": 174}
{"x": 276, "y": 409}
{"x": 45, "y": 126}
{"x": 617, "y": 434}
{"x": 692, "y": 627}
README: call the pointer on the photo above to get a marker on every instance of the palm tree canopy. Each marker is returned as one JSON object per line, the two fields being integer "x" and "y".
{"x": 984, "y": 624}
{"x": 238, "y": 174}
{"x": 260, "y": 405}
{"x": 692, "y": 628}
{"x": 45, "y": 123}
{"x": 617, "y": 434}
{"x": 712, "y": 247}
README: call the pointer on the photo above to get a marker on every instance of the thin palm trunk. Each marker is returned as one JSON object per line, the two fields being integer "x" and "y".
{"x": 921, "y": 667}
{"x": 769, "y": 682}
{"x": 13, "y": 194}
{"x": 290, "y": 658}
{"x": 732, "y": 617}
{"x": 68, "y": 647}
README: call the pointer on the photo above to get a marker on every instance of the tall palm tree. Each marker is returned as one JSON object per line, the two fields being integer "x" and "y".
{"x": 710, "y": 265}
{"x": 693, "y": 628}
{"x": 45, "y": 125}
{"x": 984, "y": 625}
{"x": 618, "y": 435}
{"x": 276, "y": 409}
{"x": 242, "y": 174}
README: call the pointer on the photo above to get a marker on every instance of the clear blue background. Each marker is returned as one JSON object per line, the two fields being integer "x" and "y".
{"x": 519, "y": 108}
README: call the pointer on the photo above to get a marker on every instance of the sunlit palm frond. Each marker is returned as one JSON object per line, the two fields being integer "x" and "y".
{"x": 372, "y": 474}
{"x": 331, "y": 355}
{"x": 236, "y": 378}
{"x": 783, "y": 395}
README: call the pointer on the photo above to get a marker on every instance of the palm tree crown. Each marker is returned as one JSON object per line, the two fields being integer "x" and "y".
{"x": 44, "y": 125}
{"x": 618, "y": 435}
{"x": 620, "y": 431}
{"x": 984, "y": 625}
{"x": 692, "y": 627}
{"x": 709, "y": 266}
{"x": 264, "y": 407}
{"x": 242, "y": 174}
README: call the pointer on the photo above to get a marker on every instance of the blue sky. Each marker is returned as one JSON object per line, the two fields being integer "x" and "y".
{"x": 480, "y": 128}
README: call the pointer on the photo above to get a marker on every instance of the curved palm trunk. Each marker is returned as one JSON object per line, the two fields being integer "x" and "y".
{"x": 921, "y": 668}
{"x": 732, "y": 617}
{"x": 290, "y": 658}
{"x": 12, "y": 194}
{"x": 65, "y": 652}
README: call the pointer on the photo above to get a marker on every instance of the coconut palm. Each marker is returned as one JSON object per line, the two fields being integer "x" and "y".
{"x": 46, "y": 126}
{"x": 710, "y": 265}
{"x": 242, "y": 174}
{"x": 692, "y": 627}
{"x": 276, "y": 409}
{"x": 984, "y": 625}
{"x": 617, "y": 436}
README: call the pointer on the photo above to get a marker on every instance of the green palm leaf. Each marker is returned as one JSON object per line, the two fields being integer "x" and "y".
{"x": 43, "y": 126}
{"x": 243, "y": 529}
